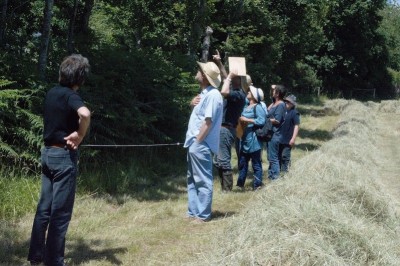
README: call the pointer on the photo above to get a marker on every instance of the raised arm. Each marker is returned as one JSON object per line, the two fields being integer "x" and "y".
{"x": 218, "y": 62}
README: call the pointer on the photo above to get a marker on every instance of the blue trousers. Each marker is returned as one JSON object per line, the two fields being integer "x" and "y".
{"x": 199, "y": 181}
{"x": 54, "y": 210}
{"x": 273, "y": 158}
{"x": 244, "y": 167}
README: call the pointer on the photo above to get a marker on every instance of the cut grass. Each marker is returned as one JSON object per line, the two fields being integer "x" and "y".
{"x": 306, "y": 218}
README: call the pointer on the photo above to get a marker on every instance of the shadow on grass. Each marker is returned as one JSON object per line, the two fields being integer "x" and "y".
{"x": 216, "y": 215}
{"x": 15, "y": 252}
{"x": 151, "y": 176}
{"x": 12, "y": 250}
{"x": 316, "y": 112}
{"x": 322, "y": 135}
{"x": 307, "y": 146}
{"x": 82, "y": 251}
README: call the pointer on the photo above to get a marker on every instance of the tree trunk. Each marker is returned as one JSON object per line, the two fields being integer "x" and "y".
{"x": 44, "y": 43}
{"x": 3, "y": 21}
{"x": 206, "y": 45}
{"x": 87, "y": 12}
{"x": 197, "y": 22}
{"x": 71, "y": 29}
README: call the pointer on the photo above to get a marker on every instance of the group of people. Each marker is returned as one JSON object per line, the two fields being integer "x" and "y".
{"x": 220, "y": 119}
{"x": 210, "y": 136}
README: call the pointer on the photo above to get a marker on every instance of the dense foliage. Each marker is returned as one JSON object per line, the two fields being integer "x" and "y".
{"x": 143, "y": 57}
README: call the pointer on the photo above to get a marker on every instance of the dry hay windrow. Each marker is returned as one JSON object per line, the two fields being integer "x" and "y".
{"x": 327, "y": 210}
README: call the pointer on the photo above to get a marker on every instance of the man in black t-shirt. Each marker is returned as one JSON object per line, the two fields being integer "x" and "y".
{"x": 66, "y": 120}
{"x": 234, "y": 101}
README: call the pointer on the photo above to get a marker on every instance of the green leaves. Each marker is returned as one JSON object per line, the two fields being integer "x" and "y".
{"x": 20, "y": 128}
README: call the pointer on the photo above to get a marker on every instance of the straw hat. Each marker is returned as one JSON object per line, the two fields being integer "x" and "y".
{"x": 258, "y": 94}
{"x": 211, "y": 71}
{"x": 291, "y": 99}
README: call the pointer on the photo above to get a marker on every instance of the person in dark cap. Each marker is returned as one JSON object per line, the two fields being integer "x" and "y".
{"x": 289, "y": 131}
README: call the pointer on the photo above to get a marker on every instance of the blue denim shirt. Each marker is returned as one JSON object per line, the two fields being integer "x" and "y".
{"x": 249, "y": 141}
{"x": 292, "y": 118}
{"x": 210, "y": 106}
{"x": 278, "y": 112}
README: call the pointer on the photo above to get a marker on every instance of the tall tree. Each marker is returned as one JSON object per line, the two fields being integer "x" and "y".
{"x": 354, "y": 55}
{"x": 3, "y": 21}
{"x": 71, "y": 28}
{"x": 45, "y": 38}
{"x": 390, "y": 28}
{"x": 206, "y": 44}
{"x": 87, "y": 12}
{"x": 196, "y": 15}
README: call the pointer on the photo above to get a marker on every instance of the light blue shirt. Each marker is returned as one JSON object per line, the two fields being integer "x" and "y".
{"x": 264, "y": 106}
{"x": 249, "y": 142}
{"x": 210, "y": 106}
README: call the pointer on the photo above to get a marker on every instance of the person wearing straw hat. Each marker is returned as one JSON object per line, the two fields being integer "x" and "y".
{"x": 289, "y": 131}
{"x": 202, "y": 139}
{"x": 253, "y": 116}
{"x": 234, "y": 100}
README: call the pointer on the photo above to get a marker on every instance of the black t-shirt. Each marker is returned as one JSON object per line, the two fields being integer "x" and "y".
{"x": 60, "y": 114}
{"x": 233, "y": 107}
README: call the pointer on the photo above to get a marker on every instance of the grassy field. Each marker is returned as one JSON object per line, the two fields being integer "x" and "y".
{"x": 328, "y": 210}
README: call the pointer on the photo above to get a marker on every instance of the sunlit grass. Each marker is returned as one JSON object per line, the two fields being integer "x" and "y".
{"x": 327, "y": 210}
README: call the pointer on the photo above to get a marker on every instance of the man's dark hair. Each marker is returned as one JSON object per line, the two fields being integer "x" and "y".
{"x": 74, "y": 69}
{"x": 281, "y": 90}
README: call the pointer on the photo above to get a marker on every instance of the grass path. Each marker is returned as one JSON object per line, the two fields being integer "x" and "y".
{"x": 389, "y": 129}
{"x": 105, "y": 231}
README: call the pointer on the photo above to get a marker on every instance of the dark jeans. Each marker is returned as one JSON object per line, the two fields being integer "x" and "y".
{"x": 222, "y": 160}
{"x": 273, "y": 157}
{"x": 54, "y": 210}
{"x": 284, "y": 157}
{"x": 244, "y": 167}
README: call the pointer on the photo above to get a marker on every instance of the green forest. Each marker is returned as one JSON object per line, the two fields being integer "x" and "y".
{"x": 143, "y": 57}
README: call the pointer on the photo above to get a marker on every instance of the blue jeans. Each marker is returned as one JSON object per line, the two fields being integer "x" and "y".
{"x": 199, "y": 181}
{"x": 227, "y": 137}
{"x": 273, "y": 158}
{"x": 244, "y": 167}
{"x": 54, "y": 210}
{"x": 284, "y": 157}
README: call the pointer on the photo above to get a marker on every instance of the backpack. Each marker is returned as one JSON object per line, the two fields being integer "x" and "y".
{"x": 265, "y": 132}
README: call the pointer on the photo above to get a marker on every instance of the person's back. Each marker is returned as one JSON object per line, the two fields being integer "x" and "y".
{"x": 60, "y": 116}
{"x": 233, "y": 106}
{"x": 66, "y": 120}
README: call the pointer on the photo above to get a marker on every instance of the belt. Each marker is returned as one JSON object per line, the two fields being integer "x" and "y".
{"x": 227, "y": 126}
{"x": 60, "y": 145}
